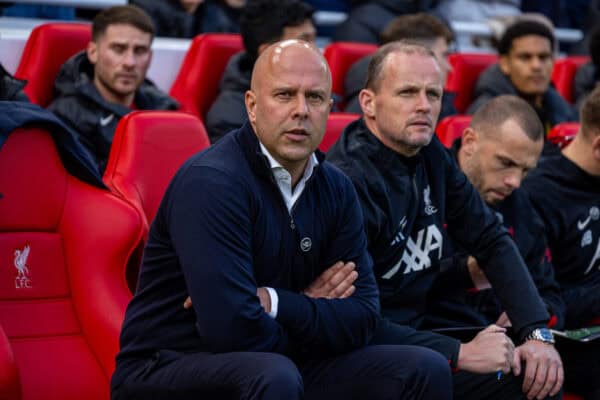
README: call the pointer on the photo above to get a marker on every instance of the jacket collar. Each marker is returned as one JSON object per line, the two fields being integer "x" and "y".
{"x": 250, "y": 146}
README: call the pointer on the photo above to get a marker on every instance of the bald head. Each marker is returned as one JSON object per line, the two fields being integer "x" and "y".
{"x": 289, "y": 101}
{"x": 283, "y": 56}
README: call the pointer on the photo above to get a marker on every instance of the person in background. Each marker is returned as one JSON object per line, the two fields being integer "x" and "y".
{"x": 263, "y": 22}
{"x": 96, "y": 87}
{"x": 266, "y": 237}
{"x": 526, "y": 52}
{"x": 565, "y": 190}
{"x": 588, "y": 75}
{"x": 188, "y": 18}
{"x": 421, "y": 28}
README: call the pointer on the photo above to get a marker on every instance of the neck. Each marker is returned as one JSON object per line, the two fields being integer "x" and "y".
{"x": 579, "y": 152}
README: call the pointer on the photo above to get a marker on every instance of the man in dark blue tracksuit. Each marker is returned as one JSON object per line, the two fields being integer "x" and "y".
{"x": 565, "y": 190}
{"x": 409, "y": 187}
{"x": 257, "y": 230}
{"x": 502, "y": 144}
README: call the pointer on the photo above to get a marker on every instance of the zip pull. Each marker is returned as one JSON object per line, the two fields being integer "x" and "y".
{"x": 292, "y": 224}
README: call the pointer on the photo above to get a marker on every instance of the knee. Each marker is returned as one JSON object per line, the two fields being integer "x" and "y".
{"x": 431, "y": 365}
{"x": 277, "y": 377}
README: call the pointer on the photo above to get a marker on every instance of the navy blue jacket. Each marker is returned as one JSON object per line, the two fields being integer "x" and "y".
{"x": 221, "y": 231}
{"x": 77, "y": 160}
{"x": 406, "y": 202}
{"x": 568, "y": 201}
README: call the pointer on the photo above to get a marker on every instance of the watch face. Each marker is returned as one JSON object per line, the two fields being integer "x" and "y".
{"x": 546, "y": 335}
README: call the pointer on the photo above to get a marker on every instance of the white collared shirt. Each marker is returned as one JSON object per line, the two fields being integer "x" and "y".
{"x": 290, "y": 196}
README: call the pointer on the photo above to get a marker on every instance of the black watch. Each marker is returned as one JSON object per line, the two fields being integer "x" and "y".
{"x": 542, "y": 335}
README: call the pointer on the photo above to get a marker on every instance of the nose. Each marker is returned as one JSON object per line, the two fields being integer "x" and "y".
{"x": 300, "y": 107}
{"x": 513, "y": 180}
{"x": 423, "y": 102}
{"x": 129, "y": 59}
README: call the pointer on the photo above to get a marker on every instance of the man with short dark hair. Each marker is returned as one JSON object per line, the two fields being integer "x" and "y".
{"x": 565, "y": 189}
{"x": 262, "y": 23}
{"x": 420, "y": 28}
{"x": 409, "y": 188}
{"x": 267, "y": 239}
{"x": 524, "y": 69}
{"x": 500, "y": 147}
{"x": 95, "y": 88}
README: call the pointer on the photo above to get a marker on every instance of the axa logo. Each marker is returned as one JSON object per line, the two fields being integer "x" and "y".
{"x": 429, "y": 208}
{"x": 417, "y": 253}
{"x": 22, "y": 280}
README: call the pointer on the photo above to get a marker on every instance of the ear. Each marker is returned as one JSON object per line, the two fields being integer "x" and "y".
{"x": 596, "y": 148}
{"x": 366, "y": 98}
{"x": 92, "y": 52}
{"x": 250, "y": 100}
{"x": 469, "y": 141}
{"x": 504, "y": 64}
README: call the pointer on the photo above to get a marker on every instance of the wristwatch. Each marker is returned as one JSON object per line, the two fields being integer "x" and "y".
{"x": 541, "y": 334}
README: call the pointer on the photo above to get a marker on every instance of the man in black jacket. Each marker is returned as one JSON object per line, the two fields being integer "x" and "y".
{"x": 565, "y": 189}
{"x": 409, "y": 187}
{"x": 524, "y": 69}
{"x": 96, "y": 88}
{"x": 502, "y": 144}
{"x": 262, "y": 23}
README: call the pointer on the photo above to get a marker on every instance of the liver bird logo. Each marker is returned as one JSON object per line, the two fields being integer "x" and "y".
{"x": 21, "y": 261}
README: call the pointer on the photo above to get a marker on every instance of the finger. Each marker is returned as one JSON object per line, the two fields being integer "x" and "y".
{"x": 494, "y": 329}
{"x": 516, "y": 365}
{"x": 340, "y": 278}
{"x": 341, "y": 288}
{"x": 326, "y": 275}
{"x": 538, "y": 387}
{"x": 549, "y": 381}
{"x": 529, "y": 377}
{"x": 349, "y": 292}
{"x": 560, "y": 378}
{"x": 187, "y": 304}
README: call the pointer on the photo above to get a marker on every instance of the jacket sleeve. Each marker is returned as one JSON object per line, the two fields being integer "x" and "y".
{"x": 542, "y": 271}
{"x": 475, "y": 228}
{"x": 228, "y": 112}
{"x": 337, "y": 325}
{"x": 210, "y": 223}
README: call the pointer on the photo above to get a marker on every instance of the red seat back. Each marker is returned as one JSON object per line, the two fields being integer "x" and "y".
{"x": 336, "y": 123}
{"x": 466, "y": 69}
{"x": 451, "y": 128}
{"x": 10, "y": 384}
{"x": 148, "y": 148}
{"x": 64, "y": 247}
{"x": 563, "y": 75}
{"x": 340, "y": 56}
{"x": 197, "y": 83}
{"x": 562, "y": 134}
{"x": 47, "y": 48}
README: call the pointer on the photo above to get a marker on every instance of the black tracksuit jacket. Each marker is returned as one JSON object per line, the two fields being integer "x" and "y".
{"x": 568, "y": 200}
{"x": 452, "y": 305}
{"x": 406, "y": 202}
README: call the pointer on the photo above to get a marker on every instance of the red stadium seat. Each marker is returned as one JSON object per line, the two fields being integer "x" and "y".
{"x": 148, "y": 148}
{"x": 563, "y": 75}
{"x": 197, "y": 83}
{"x": 63, "y": 253}
{"x": 336, "y": 123}
{"x": 466, "y": 69}
{"x": 563, "y": 133}
{"x": 47, "y": 48}
{"x": 10, "y": 385}
{"x": 340, "y": 56}
{"x": 451, "y": 128}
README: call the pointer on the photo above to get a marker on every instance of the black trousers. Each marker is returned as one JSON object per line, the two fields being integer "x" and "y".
{"x": 582, "y": 367}
{"x": 374, "y": 373}
{"x": 466, "y": 385}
